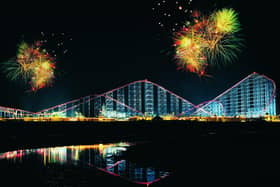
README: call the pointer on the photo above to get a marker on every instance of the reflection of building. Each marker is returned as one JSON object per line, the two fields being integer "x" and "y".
{"x": 103, "y": 157}
{"x": 56, "y": 155}
{"x": 138, "y": 174}
{"x": 150, "y": 174}
{"x": 122, "y": 168}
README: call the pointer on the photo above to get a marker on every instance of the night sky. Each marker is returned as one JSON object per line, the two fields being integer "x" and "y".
{"x": 120, "y": 41}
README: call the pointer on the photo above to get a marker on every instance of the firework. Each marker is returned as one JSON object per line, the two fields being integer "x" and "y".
{"x": 226, "y": 21}
{"x": 208, "y": 40}
{"x": 43, "y": 74}
{"x": 189, "y": 48}
{"x": 33, "y": 64}
{"x": 35, "y": 61}
{"x": 223, "y": 43}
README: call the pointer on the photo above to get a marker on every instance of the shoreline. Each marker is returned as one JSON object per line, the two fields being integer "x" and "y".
{"x": 17, "y": 135}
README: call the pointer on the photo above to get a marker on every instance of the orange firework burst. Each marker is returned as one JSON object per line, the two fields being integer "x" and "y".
{"x": 207, "y": 39}
{"x": 42, "y": 74}
{"x": 189, "y": 48}
{"x": 33, "y": 64}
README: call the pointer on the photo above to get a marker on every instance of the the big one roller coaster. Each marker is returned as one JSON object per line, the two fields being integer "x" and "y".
{"x": 254, "y": 96}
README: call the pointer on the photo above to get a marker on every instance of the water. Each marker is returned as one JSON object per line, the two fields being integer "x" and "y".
{"x": 105, "y": 158}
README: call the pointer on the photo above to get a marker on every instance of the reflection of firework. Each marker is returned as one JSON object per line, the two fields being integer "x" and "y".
{"x": 33, "y": 64}
{"x": 207, "y": 40}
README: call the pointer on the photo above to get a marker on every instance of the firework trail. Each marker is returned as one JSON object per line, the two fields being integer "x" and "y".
{"x": 207, "y": 40}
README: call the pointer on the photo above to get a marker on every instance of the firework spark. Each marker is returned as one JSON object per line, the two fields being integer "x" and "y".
{"x": 208, "y": 40}
{"x": 171, "y": 15}
{"x": 56, "y": 41}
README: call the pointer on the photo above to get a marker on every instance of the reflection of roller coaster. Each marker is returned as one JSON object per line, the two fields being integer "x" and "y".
{"x": 107, "y": 158}
{"x": 254, "y": 96}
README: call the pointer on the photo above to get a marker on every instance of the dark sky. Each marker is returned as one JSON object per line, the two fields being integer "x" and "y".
{"x": 118, "y": 42}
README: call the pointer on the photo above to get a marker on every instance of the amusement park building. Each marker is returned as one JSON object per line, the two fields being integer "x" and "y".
{"x": 254, "y": 96}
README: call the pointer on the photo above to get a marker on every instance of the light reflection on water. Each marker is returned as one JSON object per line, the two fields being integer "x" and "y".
{"x": 105, "y": 157}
